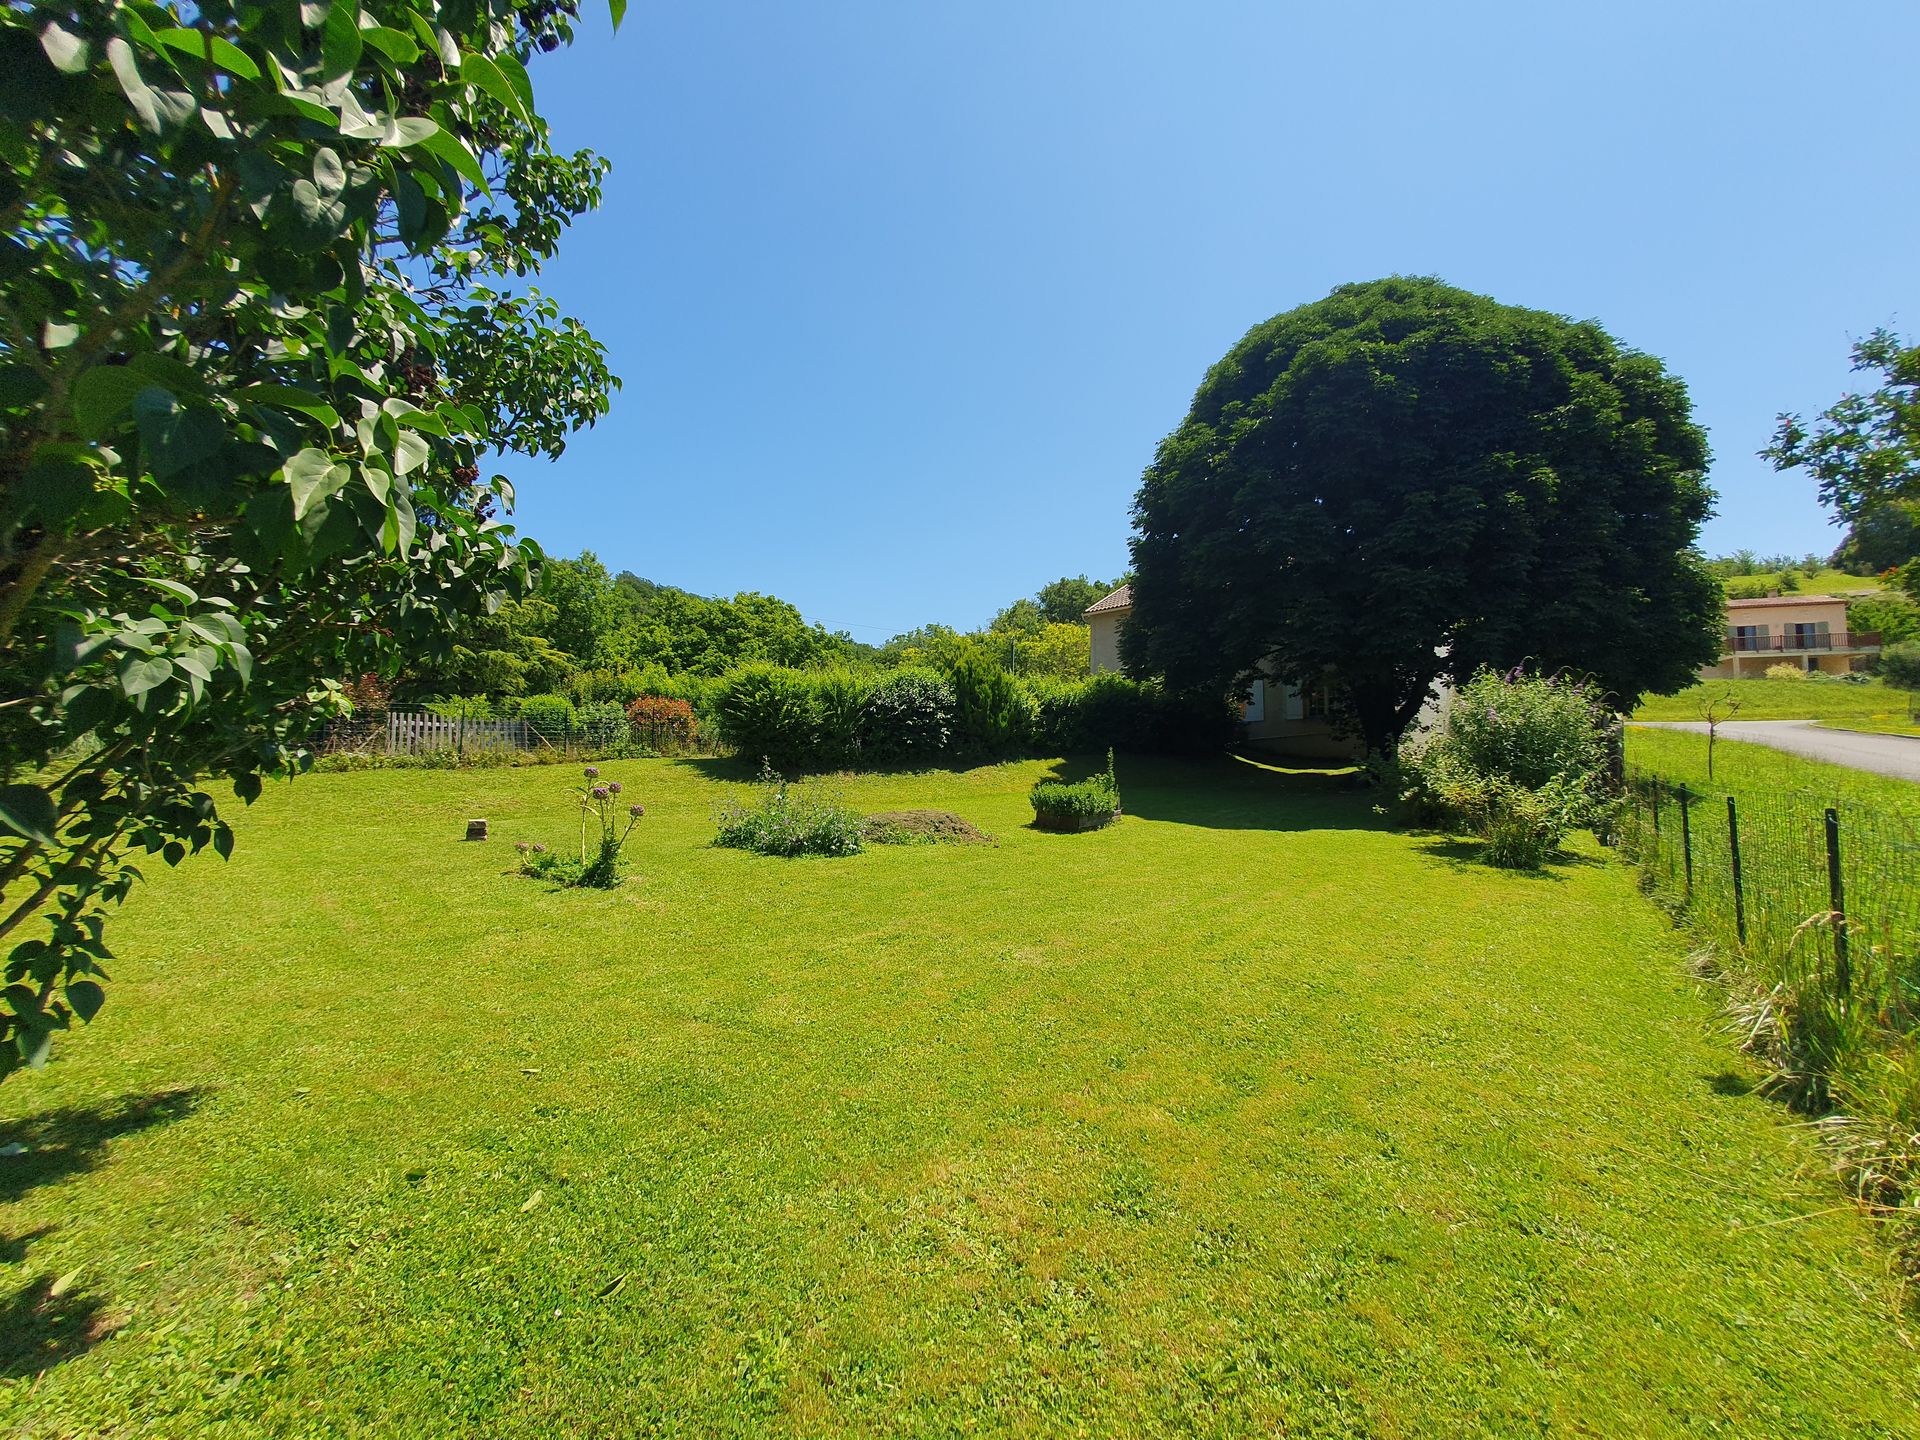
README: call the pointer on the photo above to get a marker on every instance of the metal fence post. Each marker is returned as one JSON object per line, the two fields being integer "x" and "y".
{"x": 1686, "y": 832}
{"x": 1739, "y": 892}
{"x": 1837, "y": 902}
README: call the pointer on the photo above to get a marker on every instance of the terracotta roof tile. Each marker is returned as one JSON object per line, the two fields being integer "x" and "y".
{"x": 1121, "y": 599}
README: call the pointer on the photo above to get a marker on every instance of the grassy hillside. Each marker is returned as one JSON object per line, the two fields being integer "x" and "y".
{"x": 1780, "y": 700}
{"x": 1243, "y": 1116}
{"x": 1682, "y": 755}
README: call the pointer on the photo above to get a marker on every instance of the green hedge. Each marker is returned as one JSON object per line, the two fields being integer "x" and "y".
{"x": 829, "y": 720}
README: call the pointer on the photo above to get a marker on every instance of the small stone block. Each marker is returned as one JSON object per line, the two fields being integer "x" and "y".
{"x": 476, "y": 829}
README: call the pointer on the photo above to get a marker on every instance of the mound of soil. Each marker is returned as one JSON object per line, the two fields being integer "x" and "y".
{"x": 922, "y": 827}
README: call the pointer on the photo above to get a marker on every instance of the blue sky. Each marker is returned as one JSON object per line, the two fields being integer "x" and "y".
{"x": 904, "y": 294}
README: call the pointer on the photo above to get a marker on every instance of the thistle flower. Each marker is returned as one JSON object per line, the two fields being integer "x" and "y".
{"x": 539, "y": 849}
{"x": 636, "y": 811}
{"x": 521, "y": 846}
{"x": 593, "y": 772}
{"x": 600, "y": 792}
{"x": 613, "y": 787}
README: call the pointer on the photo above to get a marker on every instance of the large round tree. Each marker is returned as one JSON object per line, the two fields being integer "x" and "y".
{"x": 1406, "y": 481}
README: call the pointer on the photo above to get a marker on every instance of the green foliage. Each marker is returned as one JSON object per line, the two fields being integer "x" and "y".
{"x": 769, "y": 713}
{"x": 1895, "y": 618}
{"x": 1076, "y": 805}
{"x": 788, "y": 819}
{"x": 1405, "y": 481}
{"x": 606, "y": 822}
{"x": 1520, "y": 762}
{"x": 992, "y": 712}
{"x": 1863, "y": 451}
{"x": 1899, "y": 666}
{"x": 907, "y": 719}
{"x": 1883, "y": 536}
{"x": 551, "y": 717}
{"x": 262, "y": 319}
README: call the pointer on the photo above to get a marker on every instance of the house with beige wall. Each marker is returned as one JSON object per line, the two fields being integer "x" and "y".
{"x": 1808, "y": 631}
{"x": 1274, "y": 715}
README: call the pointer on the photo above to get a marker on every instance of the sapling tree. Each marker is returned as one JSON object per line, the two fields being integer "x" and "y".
{"x": 1718, "y": 710}
{"x": 261, "y": 319}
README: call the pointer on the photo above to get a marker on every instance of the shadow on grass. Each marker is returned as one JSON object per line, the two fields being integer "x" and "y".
{"x": 1472, "y": 854}
{"x": 1240, "y": 792}
{"x": 46, "y": 1322}
{"x": 1731, "y": 1085}
{"x": 48, "y": 1319}
{"x": 74, "y": 1138}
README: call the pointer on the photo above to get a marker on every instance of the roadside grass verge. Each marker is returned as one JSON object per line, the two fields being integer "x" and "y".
{"x": 1779, "y": 700}
{"x": 1244, "y": 1114}
{"x": 1746, "y": 768}
{"x": 1900, "y": 724}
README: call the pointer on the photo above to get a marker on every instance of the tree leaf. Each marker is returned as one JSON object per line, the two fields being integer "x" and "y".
{"x": 159, "y": 110}
{"x": 396, "y": 46}
{"x": 340, "y": 41}
{"x": 312, "y": 477}
{"x": 444, "y": 146}
{"x": 102, "y": 395}
{"x": 410, "y": 452}
{"x": 68, "y": 52}
{"x": 211, "y": 48}
{"x": 138, "y": 675}
{"x": 53, "y": 491}
{"x": 28, "y": 810}
{"x": 86, "y": 997}
{"x": 480, "y": 72}
{"x": 618, "y": 10}
{"x": 289, "y": 397}
{"x": 329, "y": 175}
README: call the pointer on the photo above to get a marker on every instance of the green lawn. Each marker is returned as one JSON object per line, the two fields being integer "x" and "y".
{"x": 1244, "y": 1116}
{"x": 1779, "y": 700}
{"x": 1743, "y": 767}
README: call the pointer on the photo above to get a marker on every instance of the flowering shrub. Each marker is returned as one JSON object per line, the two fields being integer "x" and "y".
{"x": 1786, "y": 670}
{"x": 788, "y": 819}
{"x": 663, "y": 718}
{"x": 598, "y": 865}
{"x": 1520, "y": 762}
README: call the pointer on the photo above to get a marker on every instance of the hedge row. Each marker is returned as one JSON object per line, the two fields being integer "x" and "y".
{"x": 833, "y": 720}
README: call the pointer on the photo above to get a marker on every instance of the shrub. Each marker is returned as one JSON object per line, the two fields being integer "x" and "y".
{"x": 1112, "y": 712}
{"x": 663, "y": 720}
{"x": 1520, "y": 762}
{"x": 790, "y": 819}
{"x": 551, "y": 717}
{"x": 1078, "y": 805}
{"x": 1786, "y": 670}
{"x": 767, "y": 713}
{"x": 602, "y": 837}
{"x": 600, "y": 723}
{"x": 1899, "y": 667}
{"x": 993, "y": 713}
{"x": 907, "y": 719}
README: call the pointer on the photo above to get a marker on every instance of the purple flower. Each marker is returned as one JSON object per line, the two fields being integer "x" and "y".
{"x": 521, "y": 846}
{"x": 636, "y": 811}
{"x": 593, "y": 772}
{"x": 539, "y": 849}
{"x": 600, "y": 792}
{"x": 613, "y": 787}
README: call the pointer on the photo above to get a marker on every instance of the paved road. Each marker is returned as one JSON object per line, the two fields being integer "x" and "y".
{"x": 1896, "y": 755}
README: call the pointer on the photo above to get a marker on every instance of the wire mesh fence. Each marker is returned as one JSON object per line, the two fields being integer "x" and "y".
{"x": 460, "y": 736}
{"x": 1785, "y": 873}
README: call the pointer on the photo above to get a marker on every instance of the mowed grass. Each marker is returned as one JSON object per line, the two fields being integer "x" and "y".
{"x": 1827, "y": 582}
{"x": 1746, "y": 768}
{"x": 1245, "y": 1116}
{"x": 1779, "y": 700}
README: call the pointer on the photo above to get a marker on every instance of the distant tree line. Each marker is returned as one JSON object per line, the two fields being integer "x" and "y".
{"x": 582, "y": 619}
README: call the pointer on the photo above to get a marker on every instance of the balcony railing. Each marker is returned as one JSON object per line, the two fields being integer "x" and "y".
{"x": 1792, "y": 644}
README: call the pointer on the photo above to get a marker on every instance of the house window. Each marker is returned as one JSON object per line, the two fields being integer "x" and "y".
{"x": 1292, "y": 707}
{"x": 1316, "y": 702}
{"x": 1746, "y": 637}
{"x": 1255, "y": 709}
{"x": 1810, "y": 635}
